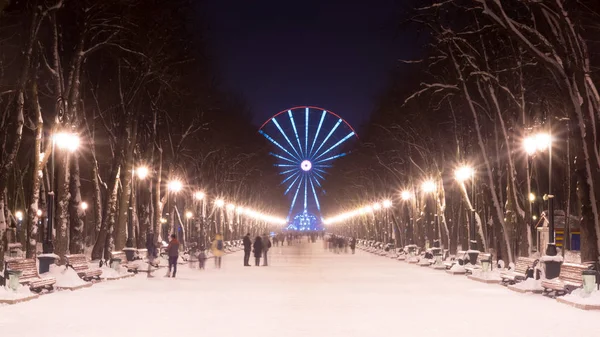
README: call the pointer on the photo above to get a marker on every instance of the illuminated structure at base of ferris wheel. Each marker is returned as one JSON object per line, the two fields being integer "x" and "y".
{"x": 306, "y": 142}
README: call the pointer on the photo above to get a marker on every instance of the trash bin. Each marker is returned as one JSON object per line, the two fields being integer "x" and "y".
{"x": 589, "y": 280}
{"x": 13, "y": 279}
{"x": 485, "y": 265}
{"x": 115, "y": 264}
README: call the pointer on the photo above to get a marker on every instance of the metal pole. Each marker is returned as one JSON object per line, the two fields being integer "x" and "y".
{"x": 129, "y": 242}
{"x": 48, "y": 247}
{"x": 551, "y": 250}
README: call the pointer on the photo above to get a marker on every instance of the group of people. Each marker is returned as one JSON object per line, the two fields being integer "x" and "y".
{"x": 172, "y": 251}
{"x": 260, "y": 247}
{"x": 339, "y": 244}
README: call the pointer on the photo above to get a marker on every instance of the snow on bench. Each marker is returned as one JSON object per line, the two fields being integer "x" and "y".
{"x": 569, "y": 279}
{"x": 78, "y": 262}
{"x": 522, "y": 268}
{"x": 30, "y": 276}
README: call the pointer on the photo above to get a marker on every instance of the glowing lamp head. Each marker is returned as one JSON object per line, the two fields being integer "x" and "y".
{"x": 406, "y": 195}
{"x": 84, "y": 206}
{"x": 531, "y": 197}
{"x": 66, "y": 141}
{"x": 387, "y": 203}
{"x": 306, "y": 165}
{"x": 38, "y": 212}
{"x": 230, "y": 207}
{"x": 219, "y": 202}
{"x": 19, "y": 215}
{"x": 463, "y": 173}
{"x": 142, "y": 172}
{"x": 199, "y": 195}
{"x": 189, "y": 214}
{"x": 175, "y": 186}
{"x": 428, "y": 186}
{"x": 538, "y": 142}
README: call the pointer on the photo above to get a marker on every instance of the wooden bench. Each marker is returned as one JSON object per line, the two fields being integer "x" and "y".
{"x": 568, "y": 280}
{"x": 481, "y": 257}
{"x": 124, "y": 263}
{"x": 79, "y": 264}
{"x": 30, "y": 276}
{"x": 523, "y": 267}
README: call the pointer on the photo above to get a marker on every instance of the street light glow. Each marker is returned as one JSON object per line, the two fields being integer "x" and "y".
{"x": 84, "y": 205}
{"x": 142, "y": 172}
{"x": 189, "y": 214}
{"x": 463, "y": 173}
{"x": 39, "y": 212}
{"x": 163, "y": 220}
{"x": 219, "y": 203}
{"x": 66, "y": 141}
{"x": 199, "y": 195}
{"x": 376, "y": 206}
{"x": 406, "y": 195}
{"x": 537, "y": 143}
{"x": 230, "y": 207}
{"x": 531, "y": 197}
{"x": 175, "y": 186}
{"x": 387, "y": 203}
{"x": 19, "y": 215}
{"x": 428, "y": 186}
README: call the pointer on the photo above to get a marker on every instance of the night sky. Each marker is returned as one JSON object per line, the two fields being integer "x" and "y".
{"x": 333, "y": 54}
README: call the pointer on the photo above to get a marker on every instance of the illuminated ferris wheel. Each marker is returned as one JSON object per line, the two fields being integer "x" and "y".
{"x": 307, "y": 140}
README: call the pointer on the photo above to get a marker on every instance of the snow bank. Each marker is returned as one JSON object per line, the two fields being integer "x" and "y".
{"x": 9, "y": 294}
{"x": 65, "y": 277}
{"x": 108, "y": 272}
{"x": 529, "y": 285}
{"x": 488, "y": 275}
{"x": 579, "y": 296}
{"x": 458, "y": 268}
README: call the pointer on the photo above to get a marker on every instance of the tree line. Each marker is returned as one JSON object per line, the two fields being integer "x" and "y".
{"x": 135, "y": 81}
{"x": 492, "y": 73}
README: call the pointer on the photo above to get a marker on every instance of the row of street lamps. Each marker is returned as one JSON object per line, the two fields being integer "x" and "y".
{"x": 532, "y": 145}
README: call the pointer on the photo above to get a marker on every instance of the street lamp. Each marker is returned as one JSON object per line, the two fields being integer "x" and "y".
{"x": 539, "y": 143}
{"x": 84, "y": 205}
{"x": 462, "y": 174}
{"x": 141, "y": 173}
{"x": 406, "y": 196}
{"x": 69, "y": 142}
{"x": 429, "y": 186}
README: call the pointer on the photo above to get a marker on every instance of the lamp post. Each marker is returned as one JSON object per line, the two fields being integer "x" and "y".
{"x": 141, "y": 173}
{"x": 462, "y": 174}
{"x": 174, "y": 187}
{"x": 230, "y": 208}
{"x": 64, "y": 141}
{"x": 428, "y": 186}
{"x": 532, "y": 145}
{"x": 408, "y": 196}
{"x": 219, "y": 203}
{"x": 386, "y": 207}
{"x": 188, "y": 216}
{"x": 200, "y": 197}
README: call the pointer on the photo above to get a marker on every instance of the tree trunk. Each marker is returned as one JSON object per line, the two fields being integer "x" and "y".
{"x": 62, "y": 206}
{"x": 77, "y": 214}
{"x": 101, "y": 248}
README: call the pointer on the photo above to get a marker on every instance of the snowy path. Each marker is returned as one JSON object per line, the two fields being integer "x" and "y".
{"x": 305, "y": 292}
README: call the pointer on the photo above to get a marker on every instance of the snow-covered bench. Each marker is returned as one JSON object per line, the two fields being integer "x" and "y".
{"x": 30, "y": 276}
{"x": 523, "y": 268}
{"x": 469, "y": 268}
{"x": 569, "y": 279}
{"x": 79, "y": 264}
{"x": 124, "y": 263}
{"x": 461, "y": 255}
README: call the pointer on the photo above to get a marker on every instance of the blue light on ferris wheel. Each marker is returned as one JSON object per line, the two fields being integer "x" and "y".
{"x": 306, "y": 163}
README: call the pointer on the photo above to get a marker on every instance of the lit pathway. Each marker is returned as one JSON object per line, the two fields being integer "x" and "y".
{"x": 305, "y": 292}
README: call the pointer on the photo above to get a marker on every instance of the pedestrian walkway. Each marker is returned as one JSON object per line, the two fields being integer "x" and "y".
{"x": 305, "y": 291}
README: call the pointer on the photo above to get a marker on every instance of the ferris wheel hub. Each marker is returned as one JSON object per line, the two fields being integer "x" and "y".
{"x": 306, "y": 165}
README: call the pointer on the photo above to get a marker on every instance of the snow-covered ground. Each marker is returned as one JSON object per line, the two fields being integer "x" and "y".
{"x": 305, "y": 291}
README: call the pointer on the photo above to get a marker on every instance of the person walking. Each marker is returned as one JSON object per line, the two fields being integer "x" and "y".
{"x": 258, "y": 246}
{"x": 151, "y": 248}
{"x": 202, "y": 258}
{"x": 266, "y": 242}
{"x": 353, "y": 244}
{"x": 173, "y": 252}
{"x": 247, "y": 249}
{"x": 218, "y": 249}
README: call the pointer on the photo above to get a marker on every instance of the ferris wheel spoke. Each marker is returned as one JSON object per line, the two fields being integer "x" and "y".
{"x": 319, "y": 170}
{"x": 295, "y": 197}
{"x": 282, "y": 157}
{"x": 317, "y": 133}
{"x": 291, "y": 185}
{"x": 290, "y": 177}
{"x": 276, "y": 143}
{"x": 306, "y": 132}
{"x": 295, "y": 131}
{"x": 288, "y": 171}
{"x": 329, "y": 135}
{"x": 336, "y": 144}
{"x": 286, "y": 138}
{"x": 323, "y": 166}
{"x": 305, "y": 193}
{"x": 331, "y": 158}
{"x": 315, "y": 193}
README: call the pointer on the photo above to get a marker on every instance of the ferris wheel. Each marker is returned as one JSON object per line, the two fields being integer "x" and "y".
{"x": 307, "y": 140}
